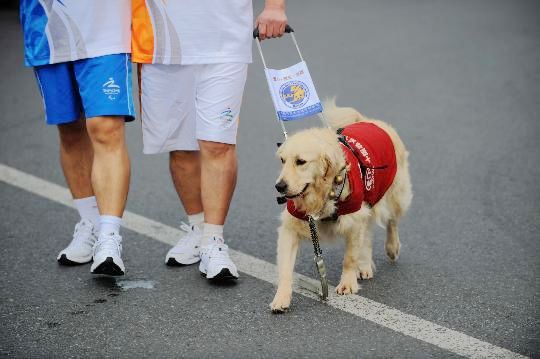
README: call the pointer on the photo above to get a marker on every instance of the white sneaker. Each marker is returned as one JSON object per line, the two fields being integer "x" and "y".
{"x": 108, "y": 255}
{"x": 186, "y": 251}
{"x": 215, "y": 261}
{"x": 81, "y": 248}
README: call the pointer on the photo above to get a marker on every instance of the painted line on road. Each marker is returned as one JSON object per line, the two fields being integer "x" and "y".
{"x": 361, "y": 307}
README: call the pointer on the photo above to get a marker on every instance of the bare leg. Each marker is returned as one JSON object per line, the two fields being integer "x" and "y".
{"x": 76, "y": 156}
{"x": 287, "y": 247}
{"x": 392, "y": 243}
{"x": 348, "y": 283}
{"x": 218, "y": 179}
{"x": 185, "y": 167}
{"x": 111, "y": 167}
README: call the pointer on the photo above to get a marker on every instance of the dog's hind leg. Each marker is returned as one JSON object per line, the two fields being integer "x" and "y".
{"x": 365, "y": 262}
{"x": 287, "y": 248}
{"x": 392, "y": 244}
{"x": 349, "y": 283}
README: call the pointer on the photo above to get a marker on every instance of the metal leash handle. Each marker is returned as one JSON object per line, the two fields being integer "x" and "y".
{"x": 290, "y": 31}
{"x": 318, "y": 259}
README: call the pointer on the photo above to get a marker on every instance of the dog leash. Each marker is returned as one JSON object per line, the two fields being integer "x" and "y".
{"x": 318, "y": 259}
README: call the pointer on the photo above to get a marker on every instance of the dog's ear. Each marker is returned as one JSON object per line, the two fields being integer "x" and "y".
{"x": 332, "y": 161}
{"x": 326, "y": 165}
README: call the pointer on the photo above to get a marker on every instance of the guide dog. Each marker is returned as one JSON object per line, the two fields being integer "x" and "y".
{"x": 346, "y": 181}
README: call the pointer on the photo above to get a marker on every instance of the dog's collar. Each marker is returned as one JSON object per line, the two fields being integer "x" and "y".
{"x": 338, "y": 184}
{"x": 336, "y": 192}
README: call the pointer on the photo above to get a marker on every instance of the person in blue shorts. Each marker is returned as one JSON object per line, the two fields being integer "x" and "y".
{"x": 80, "y": 52}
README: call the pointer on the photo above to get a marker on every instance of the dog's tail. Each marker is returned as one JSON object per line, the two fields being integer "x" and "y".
{"x": 340, "y": 116}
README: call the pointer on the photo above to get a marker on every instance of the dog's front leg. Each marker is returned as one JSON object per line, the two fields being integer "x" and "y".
{"x": 365, "y": 262}
{"x": 287, "y": 248}
{"x": 349, "y": 283}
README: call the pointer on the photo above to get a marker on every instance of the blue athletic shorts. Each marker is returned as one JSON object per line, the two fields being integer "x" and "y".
{"x": 99, "y": 86}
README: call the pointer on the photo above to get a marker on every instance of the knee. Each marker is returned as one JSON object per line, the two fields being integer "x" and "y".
{"x": 183, "y": 156}
{"x": 106, "y": 131}
{"x": 216, "y": 149}
{"x": 71, "y": 134}
{"x": 184, "y": 160}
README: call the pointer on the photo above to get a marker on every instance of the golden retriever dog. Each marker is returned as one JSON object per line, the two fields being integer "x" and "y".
{"x": 315, "y": 177}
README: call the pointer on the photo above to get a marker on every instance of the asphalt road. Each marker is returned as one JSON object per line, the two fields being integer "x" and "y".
{"x": 459, "y": 81}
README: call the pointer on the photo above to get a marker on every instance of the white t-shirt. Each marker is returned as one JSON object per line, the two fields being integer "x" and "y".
{"x": 192, "y": 31}
{"x": 69, "y": 30}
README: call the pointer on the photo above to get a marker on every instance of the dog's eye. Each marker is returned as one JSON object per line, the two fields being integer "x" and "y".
{"x": 282, "y": 160}
{"x": 300, "y": 162}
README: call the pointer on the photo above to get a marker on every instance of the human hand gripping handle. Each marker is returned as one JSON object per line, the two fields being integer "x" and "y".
{"x": 256, "y": 34}
{"x": 272, "y": 22}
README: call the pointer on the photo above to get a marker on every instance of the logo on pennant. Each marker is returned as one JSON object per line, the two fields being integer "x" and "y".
{"x": 294, "y": 94}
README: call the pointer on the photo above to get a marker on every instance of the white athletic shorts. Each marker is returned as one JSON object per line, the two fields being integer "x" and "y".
{"x": 181, "y": 104}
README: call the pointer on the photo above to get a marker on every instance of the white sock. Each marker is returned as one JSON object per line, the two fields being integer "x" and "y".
{"x": 211, "y": 230}
{"x": 88, "y": 209}
{"x": 110, "y": 225}
{"x": 196, "y": 219}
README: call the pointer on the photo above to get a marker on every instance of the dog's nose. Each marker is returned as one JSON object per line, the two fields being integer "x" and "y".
{"x": 281, "y": 186}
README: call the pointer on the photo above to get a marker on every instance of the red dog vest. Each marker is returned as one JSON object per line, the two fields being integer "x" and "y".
{"x": 372, "y": 159}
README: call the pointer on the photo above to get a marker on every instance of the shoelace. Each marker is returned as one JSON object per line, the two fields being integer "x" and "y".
{"x": 83, "y": 233}
{"x": 189, "y": 237}
{"x": 219, "y": 252}
{"x": 186, "y": 227}
{"x": 108, "y": 244}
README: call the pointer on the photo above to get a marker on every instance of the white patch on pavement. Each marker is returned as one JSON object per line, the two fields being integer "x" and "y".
{"x": 359, "y": 306}
{"x": 132, "y": 284}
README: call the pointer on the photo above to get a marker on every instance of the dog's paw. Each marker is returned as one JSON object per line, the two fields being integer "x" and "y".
{"x": 347, "y": 285}
{"x": 392, "y": 250}
{"x": 281, "y": 303}
{"x": 365, "y": 272}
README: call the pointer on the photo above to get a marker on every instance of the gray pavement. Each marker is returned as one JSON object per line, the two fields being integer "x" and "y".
{"x": 459, "y": 81}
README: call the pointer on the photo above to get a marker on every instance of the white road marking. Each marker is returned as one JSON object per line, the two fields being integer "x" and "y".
{"x": 361, "y": 307}
{"x": 133, "y": 284}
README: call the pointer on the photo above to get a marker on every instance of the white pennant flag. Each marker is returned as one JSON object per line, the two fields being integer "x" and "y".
{"x": 293, "y": 92}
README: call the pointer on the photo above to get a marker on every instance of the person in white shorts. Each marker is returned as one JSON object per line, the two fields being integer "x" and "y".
{"x": 194, "y": 56}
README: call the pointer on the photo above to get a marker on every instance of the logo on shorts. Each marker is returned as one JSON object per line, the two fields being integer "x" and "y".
{"x": 294, "y": 94}
{"x": 227, "y": 115}
{"x": 111, "y": 89}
